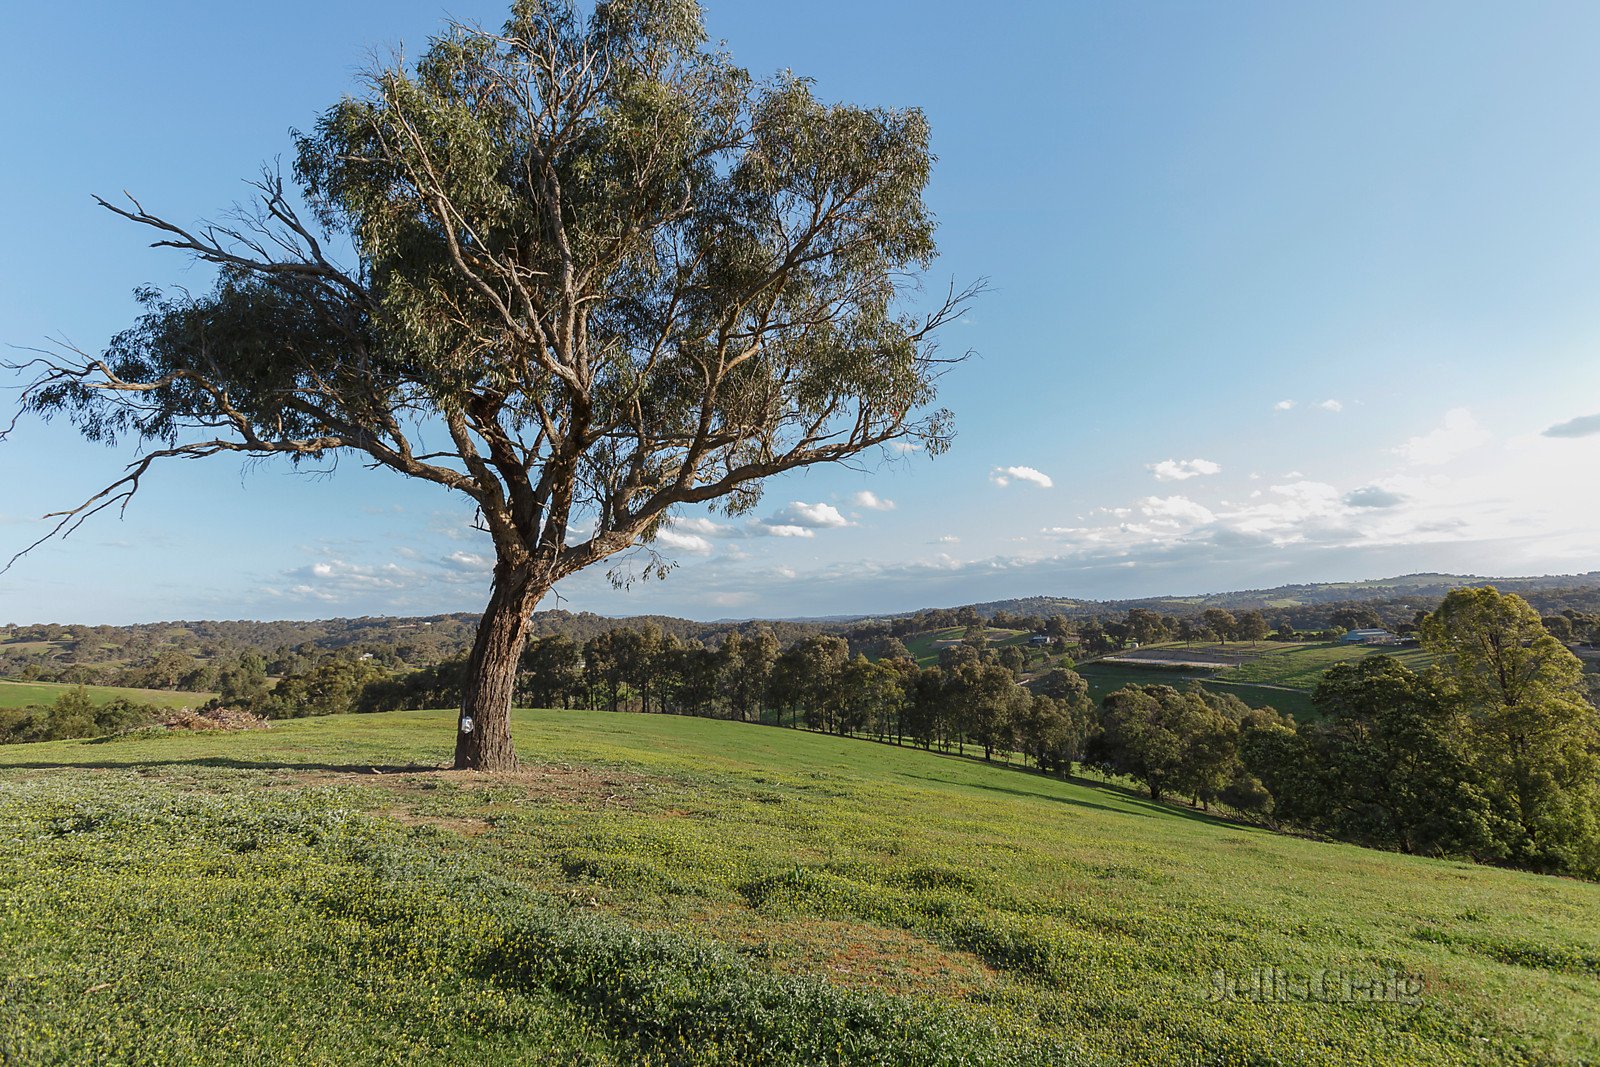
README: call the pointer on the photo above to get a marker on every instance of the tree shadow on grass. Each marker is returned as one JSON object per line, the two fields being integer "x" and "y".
{"x": 220, "y": 762}
{"x": 1028, "y": 794}
{"x": 1131, "y": 799}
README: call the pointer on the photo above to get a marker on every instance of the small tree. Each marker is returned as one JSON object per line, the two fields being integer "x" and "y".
{"x": 1251, "y": 626}
{"x": 615, "y": 274}
{"x": 1170, "y": 741}
{"x": 1220, "y": 622}
{"x": 747, "y": 669}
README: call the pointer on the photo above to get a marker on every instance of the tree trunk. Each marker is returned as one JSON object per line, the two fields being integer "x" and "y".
{"x": 483, "y": 730}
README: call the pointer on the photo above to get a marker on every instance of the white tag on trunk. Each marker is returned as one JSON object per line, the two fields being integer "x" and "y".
{"x": 466, "y": 724}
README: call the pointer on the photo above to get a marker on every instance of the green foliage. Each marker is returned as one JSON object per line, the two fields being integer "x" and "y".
{"x": 334, "y": 687}
{"x": 245, "y": 682}
{"x": 1494, "y": 753}
{"x": 1170, "y": 741}
{"x": 1534, "y": 736}
{"x": 1394, "y": 769}
{"x": 427, "y": 687}
{"x": 75, "y": 713}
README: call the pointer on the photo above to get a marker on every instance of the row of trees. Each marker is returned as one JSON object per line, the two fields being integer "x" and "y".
{"x": 204, "y": 656}
{"x": 972, "y": 698}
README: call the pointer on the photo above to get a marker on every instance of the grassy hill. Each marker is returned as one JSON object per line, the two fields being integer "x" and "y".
{"x": 676, "y": 890}
{"x": 1426, "y": 588}
{"x": 24, "y": 694}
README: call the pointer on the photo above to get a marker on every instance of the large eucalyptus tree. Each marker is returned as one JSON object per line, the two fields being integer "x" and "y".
{"x": 614, "y": 272}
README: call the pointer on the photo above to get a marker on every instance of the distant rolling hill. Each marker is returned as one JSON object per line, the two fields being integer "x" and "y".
{"x": 1425, "y": 588}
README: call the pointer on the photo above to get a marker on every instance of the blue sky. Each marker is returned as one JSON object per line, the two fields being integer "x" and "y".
{"x": 1279, "y": 293}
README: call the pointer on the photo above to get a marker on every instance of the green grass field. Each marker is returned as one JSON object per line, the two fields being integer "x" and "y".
{"x": 924, "y": 647}
{"x": 1280, "y": 676}
{"x": 24, "y": 694}
{"x": 1106, "y": 678}
{"x": 1300, "y": 666}
{"x": 679, "y": 890}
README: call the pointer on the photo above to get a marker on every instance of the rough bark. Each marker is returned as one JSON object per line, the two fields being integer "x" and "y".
{"x": 483, "y": 730}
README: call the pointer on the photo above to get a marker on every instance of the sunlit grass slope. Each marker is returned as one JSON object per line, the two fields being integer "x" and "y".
{"x": 682, "y": 890}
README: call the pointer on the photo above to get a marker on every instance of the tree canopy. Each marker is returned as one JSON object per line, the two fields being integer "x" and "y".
{"x": 613, "y": 271}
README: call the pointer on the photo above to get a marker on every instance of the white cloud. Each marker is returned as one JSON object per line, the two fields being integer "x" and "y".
{"x": 1331, "y": 405}
{"x": 781, "y": 530}
{"x": 811, "y": 516}
{"x": 1506, "y": 512}
{"x": 1004, "y": 476}
{"x": 1175, "y": 510}
{"x": 1177, "y": 470}
{"x": 468, "y": 561}
{"x": 1283, "y": 405}
{"x": 871, "y": 501}
{"x": 1458, "y": 434}
{"x": 704, "y": 527}
{"x": 948, "y": 539}
{"x": 691, "y": 543}
{"x": 338, "y": 581}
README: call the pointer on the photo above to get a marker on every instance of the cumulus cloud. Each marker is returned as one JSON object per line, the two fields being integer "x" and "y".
{"x": 468, "y": 561}
{"x": 1178, "y": 470}
{"x": 871, "y": 501}
{"x": 1004, "y": 476}
{"x": 1283, "y": 405}
{"x": 784, "y": 530}
{"x": 678, "y": 541}
{"x": 1374, "y": 496}
{"x": 1459, "y": 434}
{"x": 1175, "y": 510}
{"x": 809, "y": 516}
{"x": 335, "y": 581}
{"x": 704, "y": 527}
{"x": 948, "y": 539}
{"x": 1331, "y": 405}
{"x": 1583, "y": 426}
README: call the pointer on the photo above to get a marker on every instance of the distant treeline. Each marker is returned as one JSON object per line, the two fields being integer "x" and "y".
{"x": 201, "y": 656}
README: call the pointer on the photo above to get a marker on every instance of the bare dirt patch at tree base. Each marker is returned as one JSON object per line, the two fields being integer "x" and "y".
{"x": 214, "y": 719}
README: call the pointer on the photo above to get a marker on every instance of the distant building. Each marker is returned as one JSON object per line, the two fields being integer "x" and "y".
{"x": 1039, "y": 639}
{"x": 1369, "y": 637}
